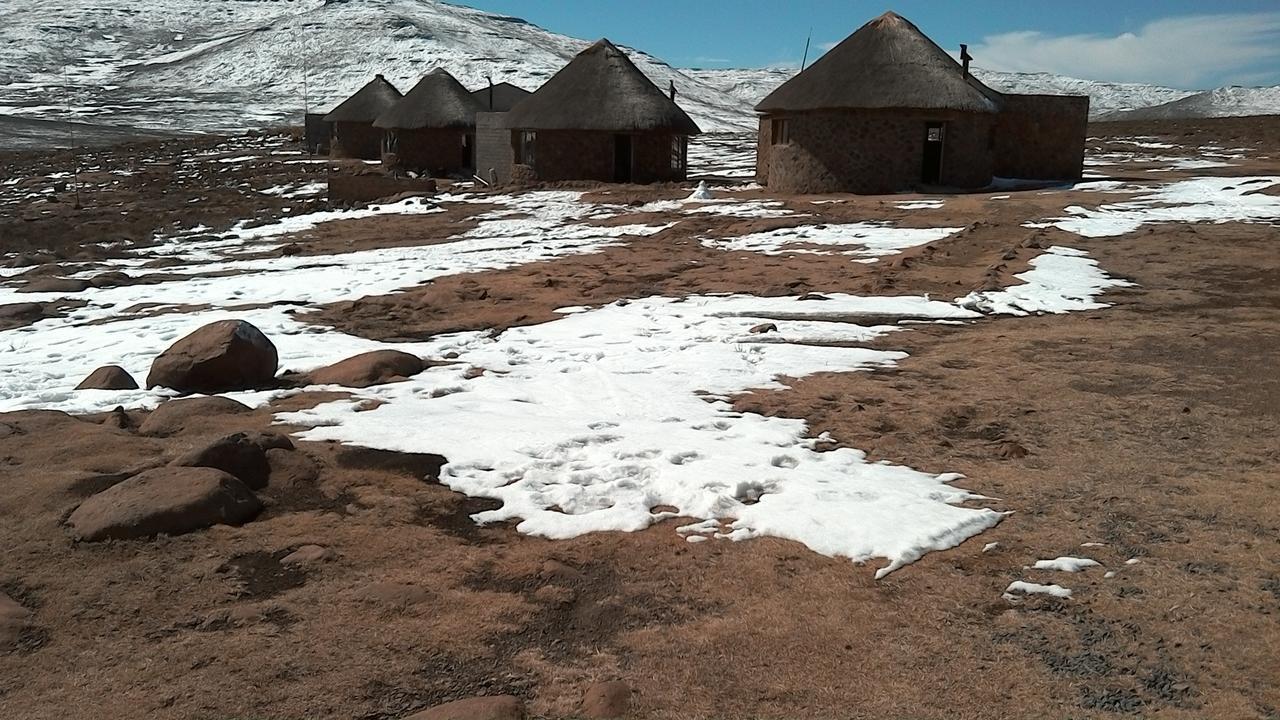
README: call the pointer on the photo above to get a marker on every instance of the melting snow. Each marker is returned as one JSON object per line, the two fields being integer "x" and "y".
{"x": 1029, "y": 588}
{"x": 863, "y": 239}
{"x": 1066, "y": 564}
{"x": 1061, "y": 280}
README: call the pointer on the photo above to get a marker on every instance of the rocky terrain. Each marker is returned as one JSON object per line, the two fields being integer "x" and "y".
{"x": 1036, "y": 415}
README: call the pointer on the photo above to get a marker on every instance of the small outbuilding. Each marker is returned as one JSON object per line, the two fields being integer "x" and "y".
{"x": 501, "y": 97}
{"x": 888, "y": 110}
{"x": 354, "y": 135}
{"x": 432, "y": 128}
{"x": 598, "y": 118}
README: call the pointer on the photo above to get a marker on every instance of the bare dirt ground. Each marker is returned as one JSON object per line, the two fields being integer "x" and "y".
{"x": 1149, "y": 427}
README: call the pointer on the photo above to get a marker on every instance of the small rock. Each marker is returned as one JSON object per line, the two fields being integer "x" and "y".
{"x": 290, "y": 250}
{"x": 21, "y": 312}
{"x": 395, "y": 594}
{"x": 814, "y": 296}
{"x": 371, "y": 368}
{"x": 495, "y": 707}
{"x": 13, "y": 620}
{"x": 118, "y": 418}
{"x": 1009, "y": 255}
{"x": 289, "y": 468}
{"x": 606, "y": 700}
{"x": 307, "y": 555}
{"x": 108, "y": 377}
{"x": 55, "y": 285}
{"x": 472, "y": 373}
{"x": 110, "y": 279}
{"x": 174, "y": 416}
{"x": 764, "y": 328}
{"x": 220, "y": 356}
{"x": 1011, "y": 450}
{"x": 30, "y": 260}
{"x": 235, "y": 454}
{"x": 169, "y": 500}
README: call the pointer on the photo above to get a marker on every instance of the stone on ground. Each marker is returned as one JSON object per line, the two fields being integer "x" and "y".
{"x": 13, "y": 620}
{"x": 291, "y": 469}
{"x": 308, "y": 555}
{"x": 371, "y": 368}
{"x": 221, "y": 356}
{"x": 169, "y": 500}
{"x": 174, "y": 416}
{"x": 236, "y": 454}
{"x": 496, "y": 707}
{"x": 55, "y": 285}
{"x": 108, "y": 377}
{"x": 606, "y": 700}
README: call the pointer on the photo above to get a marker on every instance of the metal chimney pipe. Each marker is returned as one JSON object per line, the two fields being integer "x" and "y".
{"x": 965, "y": 58}
{"x": 673, "y": 89}
{"x": 486, "y": 77}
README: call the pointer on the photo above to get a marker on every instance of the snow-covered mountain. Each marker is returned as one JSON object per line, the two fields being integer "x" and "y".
{"x": 234, "y": 64}
{"x": 1231, "y": 101}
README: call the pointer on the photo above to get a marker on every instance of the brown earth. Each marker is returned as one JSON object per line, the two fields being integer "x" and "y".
{"x": 1148, "y": 426}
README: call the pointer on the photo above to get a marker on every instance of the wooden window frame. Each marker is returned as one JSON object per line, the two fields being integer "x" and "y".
{"x": 780, "y": 131}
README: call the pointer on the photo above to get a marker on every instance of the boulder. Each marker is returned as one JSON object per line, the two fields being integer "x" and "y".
{"x": 173, "y": 416}
{"x": 108, "y": 377}
{"x": 763, "y": 328}
{"x": 495, "y": 707}
{"x": 169, "y": 500}
{"x": 55, "y": 285}
{"x": 606, "y": 700}
{"x": 290, "y": 469}
{"x": 371, "y": 368}
{"x": 21, "y": 312}
{"x": 13, "y": 620}
{"x": 112, "y": 278}
{"x": 236, "y": 454}
{"x": 221, "y": 356}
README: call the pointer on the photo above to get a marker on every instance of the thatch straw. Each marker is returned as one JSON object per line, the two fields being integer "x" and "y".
{"x": 504, "y": 97}
{"x": 437, "y": 101}
{"x": 887, "y": 63}
{"x": 370, "y": 101}
{"x": 600, "y": 89}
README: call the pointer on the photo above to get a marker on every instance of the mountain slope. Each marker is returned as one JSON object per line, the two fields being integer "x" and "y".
{"x": 1224, "y": 102}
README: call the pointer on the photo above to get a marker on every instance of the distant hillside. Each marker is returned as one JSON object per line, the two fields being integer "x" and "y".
{"x": 1231, "y": 101}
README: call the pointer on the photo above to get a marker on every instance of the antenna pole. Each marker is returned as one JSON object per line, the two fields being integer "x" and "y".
{"x": 71, "y": 131}
{"x": 805, "y": 61}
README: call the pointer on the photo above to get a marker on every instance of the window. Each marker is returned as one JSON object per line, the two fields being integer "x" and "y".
{"x": 525, "y": 155}
{"x": 678, "y": 149}
{"x": 934, "y": 132}
{"x": 390, "y": 142}
{"x": 781, "y": 132}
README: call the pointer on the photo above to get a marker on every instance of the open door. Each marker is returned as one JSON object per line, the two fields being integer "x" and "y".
{"x": 934, "y": 139}
{"x": 622, "y": 158}
{"x": 468, "y": 150}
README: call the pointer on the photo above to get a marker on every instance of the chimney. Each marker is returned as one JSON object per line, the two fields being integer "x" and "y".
{"x": 965, "y": 57}
{"x": 673, "y": 90}
{"x": 486, "y": 77}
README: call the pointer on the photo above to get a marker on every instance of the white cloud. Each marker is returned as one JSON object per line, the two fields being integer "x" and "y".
{"x": 1194, "y": 51}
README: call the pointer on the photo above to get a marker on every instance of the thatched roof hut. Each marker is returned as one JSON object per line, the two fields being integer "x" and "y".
{"x": 501, "y": 97}
{"x": 601, "y": 89}
{"x": 437, "y": 101}
{"x": 887, "y": 63}
{"x": 370, "y": 101}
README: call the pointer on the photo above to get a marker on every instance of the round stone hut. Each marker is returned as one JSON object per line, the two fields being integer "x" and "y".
{"x": 354, "y": 135}
{"x": 501, "y": 97}
{"x": 432, "y": 128}
{"x": 883, "y": 111}
{"x": 598, "y": 118}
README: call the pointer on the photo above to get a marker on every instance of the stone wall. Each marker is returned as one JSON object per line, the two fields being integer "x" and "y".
{"x": 873, "y": 151}
{"x": 1041, "y": 137}
{"x": 581, "y": 155}
{"x": 356, "y": 140}
{"x": 494, "y": 152}
{"x": 440, "y": 152}
{"x": 318, "y": 133}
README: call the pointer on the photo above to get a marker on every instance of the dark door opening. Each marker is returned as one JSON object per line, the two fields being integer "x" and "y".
{"x": 622, "y": 158}
{"x": 931, "y": 170}
{"x": 468, "y": 151}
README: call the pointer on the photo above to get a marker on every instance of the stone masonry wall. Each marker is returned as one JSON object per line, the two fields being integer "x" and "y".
{"x": 588, "y": 155}
{"x": 874, "y": 151}
{"x": 1041, "y": 137}
{"x": 494, "y": 150}
{"x": 438, "y": 151}
{"x": 356, "y": 140}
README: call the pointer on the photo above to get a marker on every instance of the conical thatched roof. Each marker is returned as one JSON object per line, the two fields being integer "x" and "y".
{"x": 505, "y": 96}
{"x": 887, "y": 63}
{"x": 600, "y": 89}
{"x": 437, "y": 101}
{"x": 370, "y": 101}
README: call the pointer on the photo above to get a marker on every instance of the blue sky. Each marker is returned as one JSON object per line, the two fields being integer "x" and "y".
{"x": 1180, "y": 43}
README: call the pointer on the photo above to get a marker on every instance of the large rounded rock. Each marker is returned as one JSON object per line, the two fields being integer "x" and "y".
{"x": 606, "y": 700}
{"x": 13, "y": 620}
{"x": 496, "y": 707}
{"x": 221, "y": 356}
{"x": 371, "y": 368}
{"x": 170, "y": 500}
{"x": 236, "y": 454}
{"x": 174, "y": 416}
{"x": 108, "y": 377}
{"x": 55, "y": 285}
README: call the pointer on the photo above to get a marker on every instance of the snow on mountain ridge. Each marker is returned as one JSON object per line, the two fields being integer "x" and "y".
{"x": 199, "y": 65}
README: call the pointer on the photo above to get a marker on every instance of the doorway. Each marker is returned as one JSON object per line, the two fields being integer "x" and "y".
{"x": 934, "y": 139}
{"x": 468, "y": 150}
{"x": 622, "y": 158}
